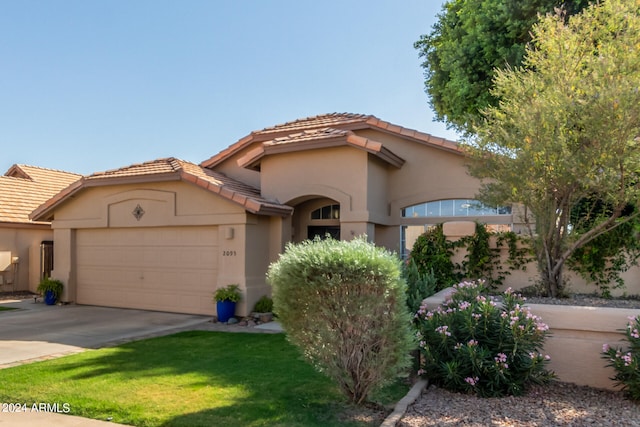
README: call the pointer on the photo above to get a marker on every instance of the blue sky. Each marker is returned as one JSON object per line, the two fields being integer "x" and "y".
{"x": 87, "y": 86}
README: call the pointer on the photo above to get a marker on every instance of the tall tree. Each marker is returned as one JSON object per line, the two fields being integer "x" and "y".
{"x": 567, "y": 131}
{"x": 469, "y": 41}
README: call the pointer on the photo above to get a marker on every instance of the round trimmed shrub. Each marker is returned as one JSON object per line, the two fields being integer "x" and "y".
{"x": 344, "y": 305}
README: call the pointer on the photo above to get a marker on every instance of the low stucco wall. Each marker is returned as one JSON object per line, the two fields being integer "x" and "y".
{"x": 576, "y": 338}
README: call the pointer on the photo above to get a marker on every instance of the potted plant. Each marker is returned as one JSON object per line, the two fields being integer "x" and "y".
{"x": 263, "y": 310}
{"x": 51, "y": 289}
{"x": 226, "y": 299}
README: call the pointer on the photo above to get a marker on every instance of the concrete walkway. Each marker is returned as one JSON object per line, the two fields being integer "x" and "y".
{"x": 36, "y": 331}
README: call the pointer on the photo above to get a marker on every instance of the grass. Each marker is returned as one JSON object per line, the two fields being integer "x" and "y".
{"x": 195, "y": 378}
{"x": 6, "y": 308}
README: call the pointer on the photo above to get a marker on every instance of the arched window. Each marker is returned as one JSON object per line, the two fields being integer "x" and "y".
{"x": 326, "y": 212}
{"x": 433, "y": 213}
{"x": 453, "y": 207}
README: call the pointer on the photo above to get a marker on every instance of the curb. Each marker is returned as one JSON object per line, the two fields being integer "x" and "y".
{"x": 403, "y": 404}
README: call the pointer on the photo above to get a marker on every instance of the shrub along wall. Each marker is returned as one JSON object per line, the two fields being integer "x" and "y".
{"x": 528, "y": 275}
{"x": 577, "y": 335}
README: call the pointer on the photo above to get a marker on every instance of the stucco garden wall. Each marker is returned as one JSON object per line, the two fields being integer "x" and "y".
{"x": 519, "y": 279}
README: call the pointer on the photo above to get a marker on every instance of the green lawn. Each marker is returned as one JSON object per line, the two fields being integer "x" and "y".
{"x": 194, "y": 378}
{"x": 6, "y": 308}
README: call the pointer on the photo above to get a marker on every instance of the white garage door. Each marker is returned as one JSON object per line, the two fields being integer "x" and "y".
{"x": 165, "y": 269}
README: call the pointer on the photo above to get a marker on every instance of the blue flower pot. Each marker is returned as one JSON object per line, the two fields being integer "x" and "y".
{"x": 49, "y": 298}
{"x": 226, "y": 310}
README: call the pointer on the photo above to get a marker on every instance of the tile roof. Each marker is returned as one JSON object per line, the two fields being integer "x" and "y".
{"x": 320, "y": 121}
{"x": 342, "y": 121}
{"x": 23, "y": 188}
{"x": 318, "y": 138}
{"x": 171, "y": 169}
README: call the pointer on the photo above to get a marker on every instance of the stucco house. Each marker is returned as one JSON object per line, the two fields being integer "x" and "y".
{"x": 164, "y": 234}
{"x": 25, "y": 245}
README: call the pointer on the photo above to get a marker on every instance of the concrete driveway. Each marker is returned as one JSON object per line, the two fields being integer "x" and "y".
{"x": 36, "y": 331}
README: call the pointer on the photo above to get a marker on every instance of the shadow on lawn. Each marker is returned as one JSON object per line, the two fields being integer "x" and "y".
{"x": 261, "y": 378}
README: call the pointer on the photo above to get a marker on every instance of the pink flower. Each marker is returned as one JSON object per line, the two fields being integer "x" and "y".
{"x": 472, "y": 381}
{"x": 605, "y": 348}
{"x": 443, "y": 330}
{"x": 464, "y": 305}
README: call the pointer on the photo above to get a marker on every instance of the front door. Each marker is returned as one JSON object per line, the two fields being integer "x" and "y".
{"x": 322, "y": 230}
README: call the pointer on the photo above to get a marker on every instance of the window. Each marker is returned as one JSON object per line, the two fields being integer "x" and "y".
{"x": 431, "y": 212}
{"x": 454, "y": 207}
{"x": 326, "y": 212}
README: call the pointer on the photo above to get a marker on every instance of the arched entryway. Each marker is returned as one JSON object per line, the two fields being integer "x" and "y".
{"x": 317, "y": 216}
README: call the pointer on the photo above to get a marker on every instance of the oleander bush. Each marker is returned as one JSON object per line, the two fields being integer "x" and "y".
{"x": 344, "y": 305}
{"x": 626, "y": 361}
{"x": 476, "y": 344}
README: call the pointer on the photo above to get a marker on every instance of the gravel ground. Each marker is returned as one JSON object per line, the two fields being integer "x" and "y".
{"x": 587, "y": 300}
{"x": 556, "y": 404}
{"x": 16, "y": 295}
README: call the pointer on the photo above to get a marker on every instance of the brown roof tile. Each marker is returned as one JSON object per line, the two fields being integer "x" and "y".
{"x": 172, "y": 169}
{"x": 337, "y": 121}
{"x": 315, "y": 122}
{"x": 23, "y": 188}
{"x": 318, "y": 138}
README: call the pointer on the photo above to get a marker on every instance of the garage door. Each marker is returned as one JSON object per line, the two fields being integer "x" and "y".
{"x": 166, "y": 269}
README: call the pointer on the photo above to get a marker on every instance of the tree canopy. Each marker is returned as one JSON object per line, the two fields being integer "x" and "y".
{"x": 565, "y": 130}
{"x": 469, "y": 41}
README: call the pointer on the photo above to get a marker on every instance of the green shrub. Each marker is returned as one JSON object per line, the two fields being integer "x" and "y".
{"x": 472, "y": 343}
{"x": 432, "y": 252}
{"x": 228, "y": 293}
{"x": 51, "y": 285}
{"x": 626, "y": 362}
{"x": 343, "y": 304}
{"x": 264, "y": 305}
{"x": 419, "y": 285}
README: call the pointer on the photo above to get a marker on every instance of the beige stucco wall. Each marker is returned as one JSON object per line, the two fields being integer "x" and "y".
{"x": 168, "y": 204}
{"x": 519, "y": 279}
{"x": 23, "y": 242}
{"x": 338, "y": 173}
{"x": 428, "y": 174}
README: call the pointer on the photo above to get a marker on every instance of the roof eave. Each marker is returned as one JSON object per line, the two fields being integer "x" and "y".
{"x": 247, "y": 202}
